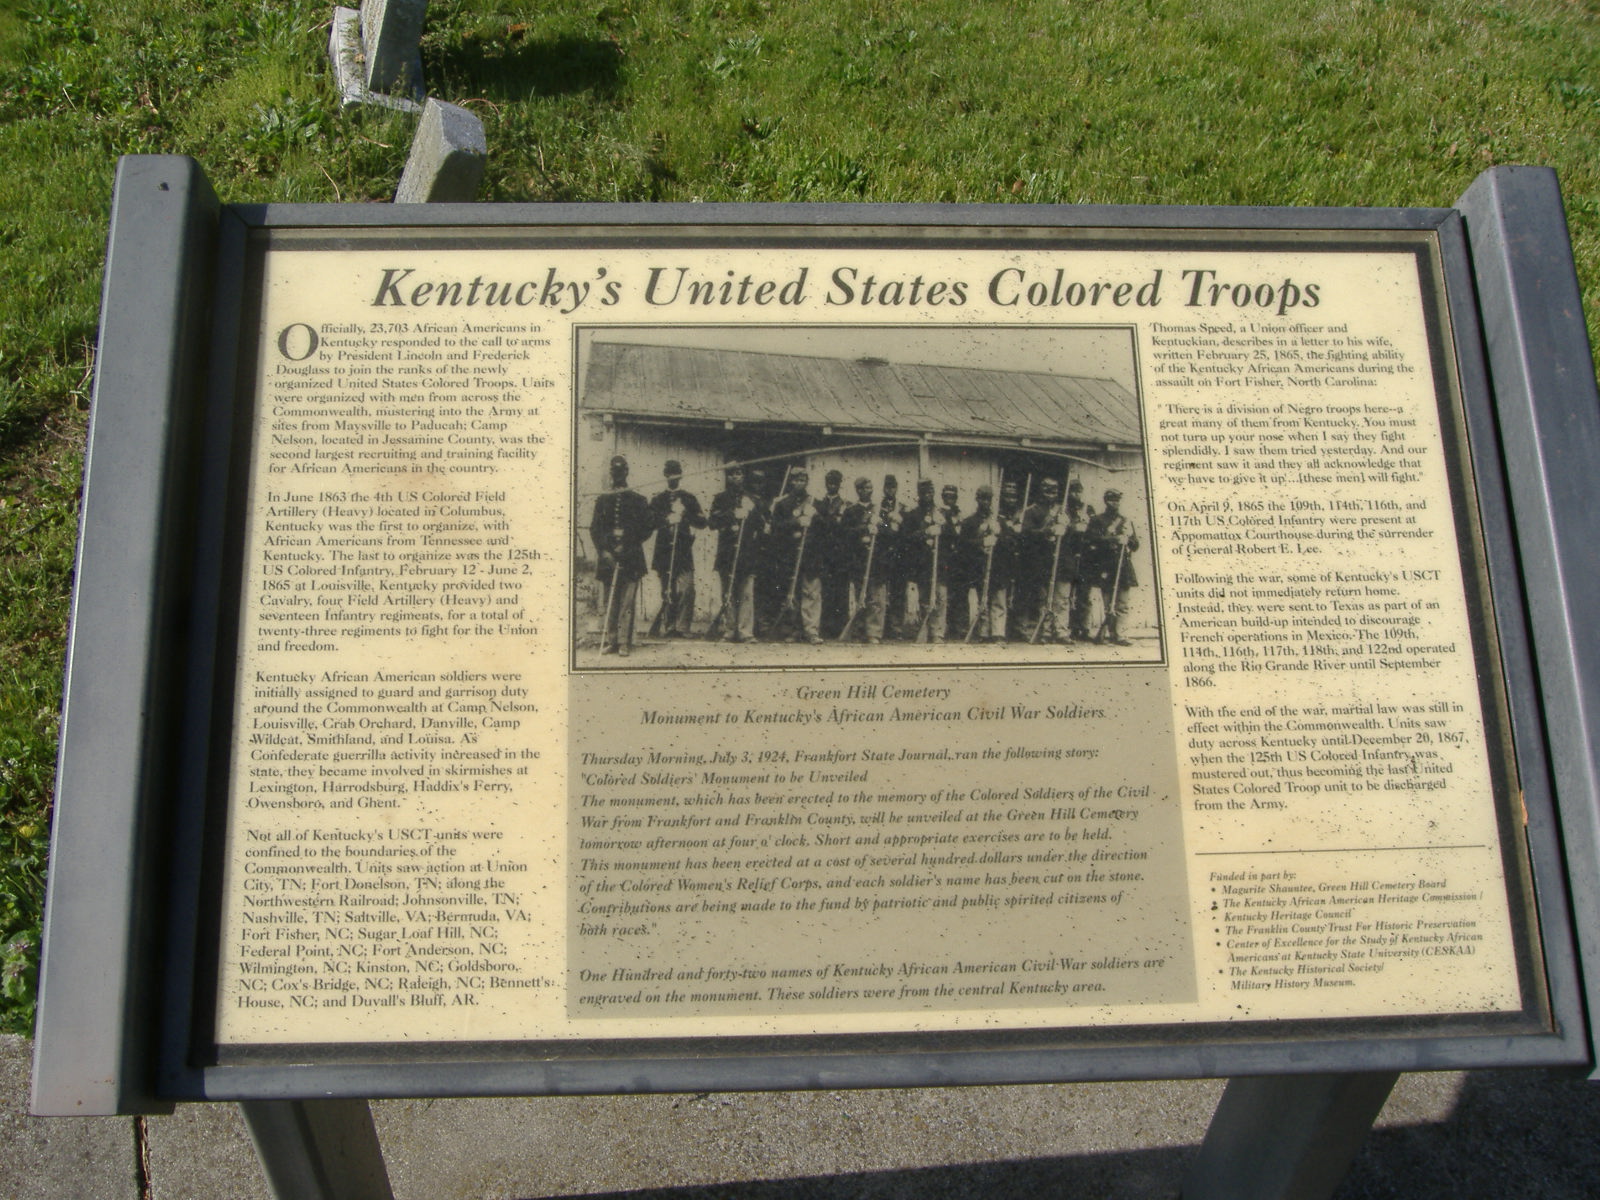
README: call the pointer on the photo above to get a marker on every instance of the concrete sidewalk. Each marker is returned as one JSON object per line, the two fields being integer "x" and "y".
{"x": 1517, "y": 1134}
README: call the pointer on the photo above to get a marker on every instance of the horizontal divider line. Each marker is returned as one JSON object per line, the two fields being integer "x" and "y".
{"x": 1337, "y": 850}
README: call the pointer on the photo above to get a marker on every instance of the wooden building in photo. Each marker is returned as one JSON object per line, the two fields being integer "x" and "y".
{"x": 863, "y": 416}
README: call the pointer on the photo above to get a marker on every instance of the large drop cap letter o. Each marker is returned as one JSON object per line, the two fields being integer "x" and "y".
{"x": 287, "y": 337}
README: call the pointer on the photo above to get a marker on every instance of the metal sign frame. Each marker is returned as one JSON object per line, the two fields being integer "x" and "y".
{"x": 129, "y": 847}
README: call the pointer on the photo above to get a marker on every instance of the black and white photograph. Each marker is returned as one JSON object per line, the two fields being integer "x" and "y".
{"x": 832, "y": 496}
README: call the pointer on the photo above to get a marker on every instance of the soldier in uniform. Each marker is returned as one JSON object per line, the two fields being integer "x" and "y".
{"x": 1044, "y": 531}
{"x": 979, "y": 539}
{"x": 836, "y": 555}
{"x": 959, "y": 572}
{"x": 797, "y": 553}
{"x": 1073, "y": 547}
{"x": 737, "y": 517}
{"x": 771, "y": 582}
{"x": 925, "y": 565}
{"x": 620, "y": 526}
{"x": 871, "y": 530}
{"x": 1004, "y": 588}
{"x": 1111, "y": 539}
{"x": 676, "y": 514}
{"x": 891, "y": 524}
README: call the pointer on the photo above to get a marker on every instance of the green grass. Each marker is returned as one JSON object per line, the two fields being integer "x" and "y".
{"x": 38, "y": 499}
{"x": 1384, "y": 102}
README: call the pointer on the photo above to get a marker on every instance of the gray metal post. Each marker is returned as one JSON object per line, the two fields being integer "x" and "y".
{"x": 1549, "y": 414}
{"x": 100, "y": 990}
{"x": 318, "y": 1149}
{"x": 1286, "y": 1137}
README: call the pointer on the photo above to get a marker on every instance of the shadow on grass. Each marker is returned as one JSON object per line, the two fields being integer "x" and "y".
{"x": 28, "y": 418}
{"x": 493, "y": 70}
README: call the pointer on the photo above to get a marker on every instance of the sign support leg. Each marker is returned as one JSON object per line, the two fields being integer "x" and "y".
{"x": 1286, "y": 1137}
{"x": 318, "y": 1149}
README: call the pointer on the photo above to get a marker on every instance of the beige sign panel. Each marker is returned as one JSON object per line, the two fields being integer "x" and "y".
{"x": 642, "y": 642}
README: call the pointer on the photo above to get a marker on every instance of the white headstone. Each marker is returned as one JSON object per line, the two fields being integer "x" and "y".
{"x": 447, "y": 157}
{"x": 391, "y": 37}
{"x": 344, "y": 51}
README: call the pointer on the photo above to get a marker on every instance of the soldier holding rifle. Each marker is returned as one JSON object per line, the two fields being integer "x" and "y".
{"x": 1006, "y": 581}
{"x": 889, "y": 550}
{"x": 794, "y": 519}
{"x": 619, "y": 529}
{"x": 872, "y": 530}
{"x": 1073, "y": 547}
{"x": 979, "y": 540}
{"x": 836, "y": 555}
{"x": 1044, "y": 529}
{"x": 771, "y": 578}
{"x": 676, "y": 515}
{"x": 739, "y": 521}
{"x": 925, "y": 562}
{"x": 962, "y": 573}
{"x": 1111, "y": 539}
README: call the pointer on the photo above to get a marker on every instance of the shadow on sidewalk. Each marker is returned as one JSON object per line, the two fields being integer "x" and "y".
{"x": 1523, "y": 1134}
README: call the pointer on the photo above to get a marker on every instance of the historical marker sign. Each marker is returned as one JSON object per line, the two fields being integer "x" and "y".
{"x": 450, "y": 817}
{"x": 1164, "y": 710}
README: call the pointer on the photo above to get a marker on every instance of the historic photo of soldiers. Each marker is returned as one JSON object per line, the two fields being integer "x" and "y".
{"x": 845, "y": 497}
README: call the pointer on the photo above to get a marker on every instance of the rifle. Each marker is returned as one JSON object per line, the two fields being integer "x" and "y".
{"x": 860, "y": 606}
{"x": 611, "y": 600}
{"x": 762, "y": 584}
{"x": 672, "y": 571}
{"x": 788, "y": 608}
{"x": 1013, "y": 607}
{"x": 983, "y": 598}
{"x": 933, "y": 592}
{"x": 733, "y": 579}
{"x": 1116, "y": 582}
{"x": 1047, "y": 602}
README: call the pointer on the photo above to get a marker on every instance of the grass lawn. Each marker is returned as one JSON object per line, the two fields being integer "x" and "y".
{"x": 1380, "y": 102}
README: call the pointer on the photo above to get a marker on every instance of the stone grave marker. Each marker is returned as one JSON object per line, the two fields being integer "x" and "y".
{"x": 447, "y": 157}
{"x": 375, "y": 55}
